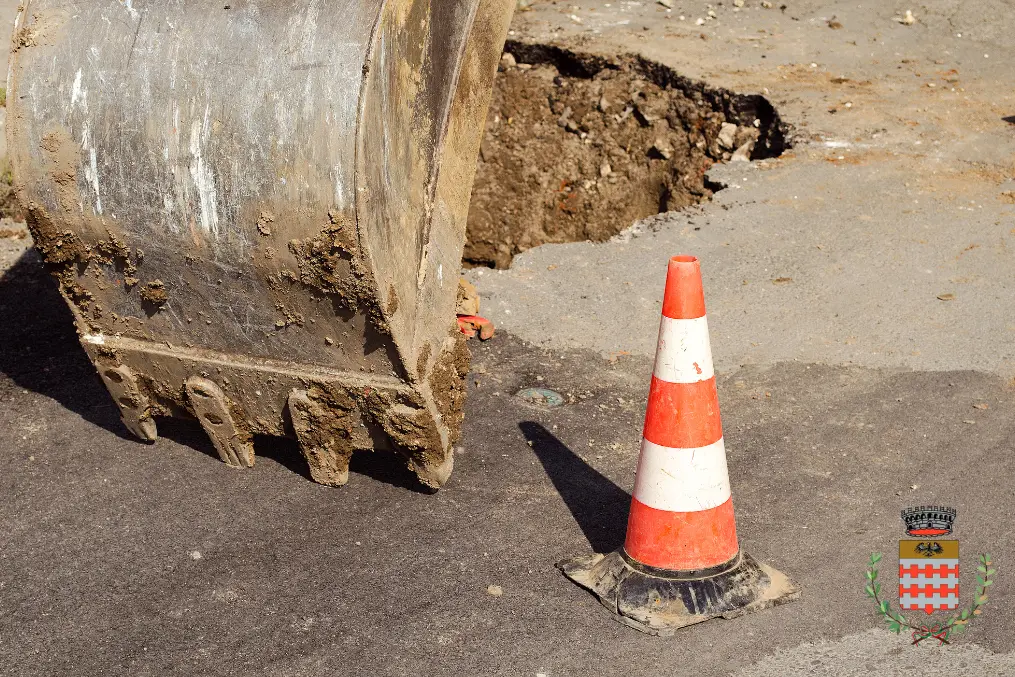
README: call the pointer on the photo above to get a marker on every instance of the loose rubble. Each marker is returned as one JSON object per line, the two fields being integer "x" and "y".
{"x": 578, "y": 148}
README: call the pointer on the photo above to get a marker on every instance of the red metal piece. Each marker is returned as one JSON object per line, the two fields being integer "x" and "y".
{"x": 471, "y": 324}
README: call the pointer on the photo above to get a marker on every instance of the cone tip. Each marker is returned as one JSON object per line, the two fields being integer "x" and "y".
{"x": 683, "y": 298}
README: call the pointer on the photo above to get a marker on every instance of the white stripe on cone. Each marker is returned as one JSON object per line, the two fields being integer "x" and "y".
{"x": 683, "y": 354}
{"x": 682, "y": 480}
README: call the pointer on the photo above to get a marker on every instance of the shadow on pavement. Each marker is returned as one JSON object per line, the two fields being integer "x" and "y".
{"x": 599, "y": 506}
{"x": 187, "y": 433}
{"x": 41, "y": 352}
{"x": 387, "y": 467}
{"x": 380, "y": 465}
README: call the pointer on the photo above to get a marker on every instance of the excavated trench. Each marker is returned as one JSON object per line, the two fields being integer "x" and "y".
{"x": 578, "y": 147}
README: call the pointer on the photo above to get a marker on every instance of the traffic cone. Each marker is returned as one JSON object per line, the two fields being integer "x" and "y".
{"x": 681, "y": 563}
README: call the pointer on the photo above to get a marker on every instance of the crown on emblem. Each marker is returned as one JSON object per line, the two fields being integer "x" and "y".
{"x": 929, "y": 520}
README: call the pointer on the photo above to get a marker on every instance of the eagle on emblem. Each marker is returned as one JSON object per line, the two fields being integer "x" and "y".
{"x": 929, "y": 549}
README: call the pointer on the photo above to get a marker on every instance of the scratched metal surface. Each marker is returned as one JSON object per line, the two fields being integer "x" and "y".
{"x": 184, "y": 127}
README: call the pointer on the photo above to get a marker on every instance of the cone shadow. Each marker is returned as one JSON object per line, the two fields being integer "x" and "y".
{"x": 598, "y": 505}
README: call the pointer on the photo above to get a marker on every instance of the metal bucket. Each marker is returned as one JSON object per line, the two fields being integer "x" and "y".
{"x": 256, "y": 210}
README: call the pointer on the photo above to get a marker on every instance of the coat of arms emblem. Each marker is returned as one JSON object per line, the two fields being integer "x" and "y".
{"x": 929, "y": 577}
{"x": 928, "y": 567}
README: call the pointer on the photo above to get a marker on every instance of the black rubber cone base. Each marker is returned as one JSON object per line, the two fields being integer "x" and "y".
{"x": 659, "y": 602}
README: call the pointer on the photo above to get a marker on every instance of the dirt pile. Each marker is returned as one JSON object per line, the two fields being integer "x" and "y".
{"x": 578, "y": 147}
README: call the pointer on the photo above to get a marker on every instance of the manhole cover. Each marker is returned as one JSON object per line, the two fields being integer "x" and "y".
{"x": 542, "y": 397}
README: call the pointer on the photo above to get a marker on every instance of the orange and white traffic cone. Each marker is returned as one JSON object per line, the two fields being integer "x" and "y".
{"x": 681, "y": 563}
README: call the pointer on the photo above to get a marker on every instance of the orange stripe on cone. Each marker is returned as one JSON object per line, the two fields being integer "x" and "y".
{"x": 684, "y": 298}
{"x": 675, "y": 523}
{"x": 683, "y": 415}
{"x": 681, "y": 541}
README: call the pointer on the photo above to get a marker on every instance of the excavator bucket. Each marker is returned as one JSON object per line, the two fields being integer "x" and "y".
{"x": 256, "y": 209}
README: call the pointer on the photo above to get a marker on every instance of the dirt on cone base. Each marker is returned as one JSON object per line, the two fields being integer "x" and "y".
{"x": 578, "y": 148}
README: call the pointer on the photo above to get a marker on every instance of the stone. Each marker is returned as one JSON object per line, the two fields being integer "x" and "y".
{"x": 745, "y": 134}
{"x": 663, "y": 148}
{"x": 743, "y": 153}
{"x": 467, "y": 302}
{"x": 727, "y": 135}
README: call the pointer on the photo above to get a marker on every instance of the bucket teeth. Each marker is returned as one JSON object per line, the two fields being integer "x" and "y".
{"x": 433, "y": 475}
{"x": 134, "y": 407}
{"x": 325, "y": 437}
{"x": 234, "y": 444}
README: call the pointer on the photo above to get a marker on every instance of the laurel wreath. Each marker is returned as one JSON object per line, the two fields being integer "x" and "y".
{"x": 942, "y": 632}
